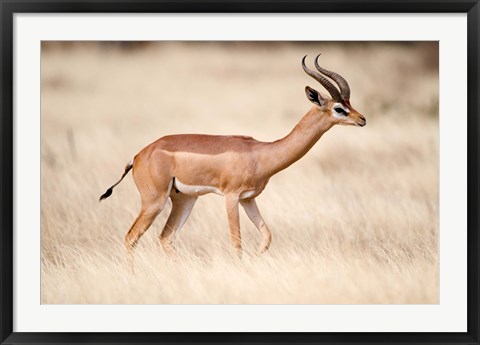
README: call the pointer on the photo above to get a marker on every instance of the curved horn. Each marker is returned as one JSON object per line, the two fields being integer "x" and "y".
{"x": 322, "y": 80}
{"x": 341, "y": 82}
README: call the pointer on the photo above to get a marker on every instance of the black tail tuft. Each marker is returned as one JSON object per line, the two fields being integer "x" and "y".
{"x": 106, "y": 194}
{"x": 109, "y": 190}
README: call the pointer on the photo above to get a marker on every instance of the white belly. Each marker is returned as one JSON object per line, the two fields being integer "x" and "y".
{"x": 195, "y": 190}
{"x": 247, "y": 194}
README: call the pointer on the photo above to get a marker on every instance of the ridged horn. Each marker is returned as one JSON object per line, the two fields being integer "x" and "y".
{"x": 341, "y": 82}
{"x": 322, "y": 80}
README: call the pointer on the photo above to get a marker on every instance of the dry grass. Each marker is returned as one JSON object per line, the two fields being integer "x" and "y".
{"x": 354, "y": 221}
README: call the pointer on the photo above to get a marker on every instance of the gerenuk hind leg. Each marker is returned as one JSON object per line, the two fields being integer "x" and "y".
{"x": 153, "y": 203}
{"x": 182, "y": 206}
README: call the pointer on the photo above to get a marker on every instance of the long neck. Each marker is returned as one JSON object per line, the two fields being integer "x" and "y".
{"x": 282, "y": 153}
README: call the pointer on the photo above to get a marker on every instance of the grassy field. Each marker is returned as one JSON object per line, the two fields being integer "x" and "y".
{"x": 354, "y": 221}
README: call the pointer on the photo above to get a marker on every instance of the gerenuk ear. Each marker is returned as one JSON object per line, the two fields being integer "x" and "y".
{"x": 314, "y": 96}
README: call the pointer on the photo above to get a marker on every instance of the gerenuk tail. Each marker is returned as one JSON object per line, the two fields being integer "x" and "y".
{"x": 110, "y": 190}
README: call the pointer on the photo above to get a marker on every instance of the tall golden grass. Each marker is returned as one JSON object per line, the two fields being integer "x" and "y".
{"x": 354, "y": 221}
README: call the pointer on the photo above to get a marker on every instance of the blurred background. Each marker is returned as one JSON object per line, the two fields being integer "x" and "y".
{"x": 354, "y": 221}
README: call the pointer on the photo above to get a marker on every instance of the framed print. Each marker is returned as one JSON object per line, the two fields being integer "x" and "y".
{"x": 320, "y": 159}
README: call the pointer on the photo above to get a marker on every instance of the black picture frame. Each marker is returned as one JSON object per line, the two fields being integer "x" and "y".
{"x": 9, "y": 7}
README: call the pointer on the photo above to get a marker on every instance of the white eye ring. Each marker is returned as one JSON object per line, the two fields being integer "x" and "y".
{"x": 339, "y": 110}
